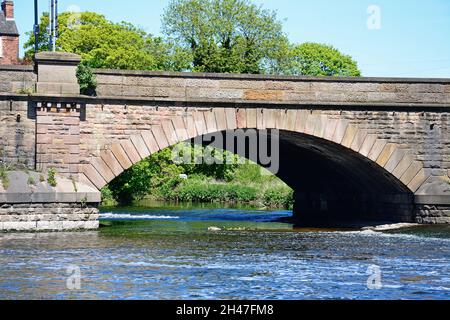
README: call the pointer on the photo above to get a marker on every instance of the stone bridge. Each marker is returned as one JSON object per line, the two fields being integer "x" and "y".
{"x": 351, "y": 148}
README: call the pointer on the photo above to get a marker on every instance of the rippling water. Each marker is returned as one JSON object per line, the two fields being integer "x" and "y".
{"x": 164, "y": 254}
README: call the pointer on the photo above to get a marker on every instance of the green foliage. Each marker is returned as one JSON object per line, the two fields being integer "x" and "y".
{"x": 4, "y": 179}
{"x": 232, "y": 36}
{"x": 314, "y": 59}
{"x": 41, "y": 178}
{"x": 104, "y": 44}
{"x": 31, "y": 181}
{"x": 51, "y": 177}
{"x": 86, "y": 79}
{"x": 199, "y": 191}
{"x": 279, "y": 197}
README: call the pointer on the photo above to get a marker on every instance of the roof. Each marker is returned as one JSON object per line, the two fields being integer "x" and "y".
{"x": 7, "y": 27}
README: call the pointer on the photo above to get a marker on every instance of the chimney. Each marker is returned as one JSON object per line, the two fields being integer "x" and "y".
{"x": 8, "y": 9}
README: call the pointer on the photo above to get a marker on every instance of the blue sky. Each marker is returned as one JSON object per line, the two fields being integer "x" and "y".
{"x": 413, "y": 41}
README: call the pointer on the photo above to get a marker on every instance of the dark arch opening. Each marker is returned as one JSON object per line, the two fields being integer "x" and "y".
{"x": 334, "y": 185}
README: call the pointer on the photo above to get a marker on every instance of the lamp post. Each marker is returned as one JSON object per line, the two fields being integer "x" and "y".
{"x": 36, "y": 26}
{"x": 53, "y": 25}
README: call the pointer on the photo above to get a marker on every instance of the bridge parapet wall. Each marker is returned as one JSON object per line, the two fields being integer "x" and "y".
{"x": 17, "y": 79}
{"x": 275, "y": 89}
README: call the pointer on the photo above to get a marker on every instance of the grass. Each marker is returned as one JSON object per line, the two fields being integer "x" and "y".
{"x": 4, "y": 179}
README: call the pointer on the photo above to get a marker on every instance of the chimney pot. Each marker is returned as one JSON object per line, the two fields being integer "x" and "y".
{"x": 8, "y": 9}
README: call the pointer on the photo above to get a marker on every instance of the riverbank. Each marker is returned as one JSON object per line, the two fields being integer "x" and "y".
{"x": 248, "y": 187}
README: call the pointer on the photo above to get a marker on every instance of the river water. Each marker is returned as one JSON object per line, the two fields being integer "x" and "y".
{"x": 223, "y": 254}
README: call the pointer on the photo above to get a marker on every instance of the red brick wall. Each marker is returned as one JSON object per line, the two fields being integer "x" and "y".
{"x": 10, "y": 50}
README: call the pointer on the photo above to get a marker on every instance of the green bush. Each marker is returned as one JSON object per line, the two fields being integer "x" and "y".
{"x": 4, "y": 180}
{"x": 86, "y": 79}
{"x": 279, "y": 197}
{"x": 196, "y": 191}
{"x": 51, "y": 177}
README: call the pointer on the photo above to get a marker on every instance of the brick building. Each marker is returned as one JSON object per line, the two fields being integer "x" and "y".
{"x": 9, "y": 35}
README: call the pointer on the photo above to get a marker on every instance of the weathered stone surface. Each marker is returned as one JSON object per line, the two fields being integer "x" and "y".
{"x": 140, "y": 146}
{"x": 150, "y": 141}
{"x": 50, "y": 217}
{"x": 386, "y": 154}
{"x": 95, "y": 139}
{"x": 121, "y": 156}
{"x": 376, "y": 150}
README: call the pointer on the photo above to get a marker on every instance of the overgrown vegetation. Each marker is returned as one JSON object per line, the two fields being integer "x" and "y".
{"x": 86, "y": 79}
{"x": 51, "y": 177}
{"x": 158, "y": 177}
{"x": 4, "y": 179}
{"x": 31, "y": 181}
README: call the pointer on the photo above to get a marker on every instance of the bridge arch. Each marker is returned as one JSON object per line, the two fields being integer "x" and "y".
{"x": 344, "y": 165}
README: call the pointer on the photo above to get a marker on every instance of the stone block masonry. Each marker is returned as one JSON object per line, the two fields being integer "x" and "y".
{"x": 351, "y": 148}
{"x": 48, "y": 217}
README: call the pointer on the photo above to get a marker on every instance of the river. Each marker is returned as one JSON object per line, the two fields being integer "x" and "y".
{"x": 143, "y": 253}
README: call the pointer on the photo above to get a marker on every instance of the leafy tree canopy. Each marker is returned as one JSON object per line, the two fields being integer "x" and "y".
{"x": 232, "y": 36}
{"x": 104, "y": 44}
{"x": 315, "y": 59}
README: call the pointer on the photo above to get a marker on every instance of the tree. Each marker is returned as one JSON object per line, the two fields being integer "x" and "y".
{"x": 314, "y": 59}
{"x": 104, "y": 44}
{"x": 226, "y": 35}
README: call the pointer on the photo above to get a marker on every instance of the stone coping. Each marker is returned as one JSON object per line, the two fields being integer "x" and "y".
{"x": 233, "y": 76}
{"x": 20, "y": 68}
{"x": 230, "y": 103}
{"x": 64, "y": 58}
{"x": 66, "y": 191}
{"x": 432, "y": 199}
